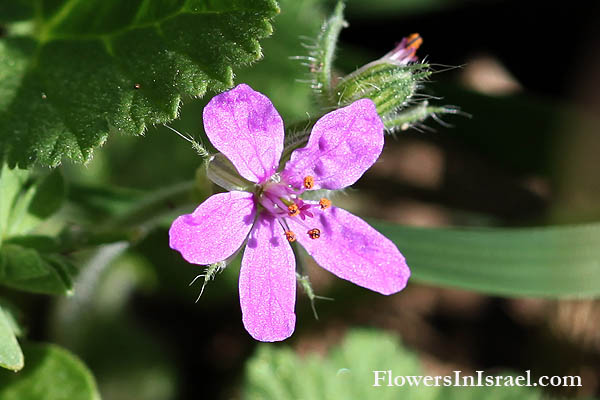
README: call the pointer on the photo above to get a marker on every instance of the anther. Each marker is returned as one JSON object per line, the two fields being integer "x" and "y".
{"x": 290, "y": 236}
{"x": 324, "y": 203}
{"x": 314, "y": 233}
{"x": 414, "y": 41}
{"x": 293, "y": 210}
{"x": 309, "y": 182}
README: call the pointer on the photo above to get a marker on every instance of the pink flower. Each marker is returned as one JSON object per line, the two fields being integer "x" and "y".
{"x": 245, "y": 127}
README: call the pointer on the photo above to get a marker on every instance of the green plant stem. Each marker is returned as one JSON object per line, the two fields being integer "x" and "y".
{"x": 145, "y": 213}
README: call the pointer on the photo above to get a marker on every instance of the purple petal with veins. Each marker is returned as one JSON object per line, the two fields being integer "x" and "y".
{"x": 243, "y": 125}
{"x": 268, "y": 283}
{"x": 342, "y": 146}
{"x": 351, "y": 249}
{"x": 215, "y": 230}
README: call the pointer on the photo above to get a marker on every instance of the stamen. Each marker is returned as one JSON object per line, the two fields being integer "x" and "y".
{"x": 290, "y": 236}
{"x": 414, "y": 41}
{"x": 293, "y": 210}
{"x": 283, "y": 224}
{"x": 314, "y": 233}
{"x": 309, "y": 182}
{"x": 324, "y": 203}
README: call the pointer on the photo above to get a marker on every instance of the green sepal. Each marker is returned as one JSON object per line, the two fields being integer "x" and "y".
{"x": 224, "y": 174}
{"x": 402, "y": 120}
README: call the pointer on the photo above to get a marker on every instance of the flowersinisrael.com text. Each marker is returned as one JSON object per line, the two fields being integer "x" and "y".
{"x": 387, "y": 378}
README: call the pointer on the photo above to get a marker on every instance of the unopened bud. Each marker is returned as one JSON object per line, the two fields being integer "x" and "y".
{"x": 390, "y": 81}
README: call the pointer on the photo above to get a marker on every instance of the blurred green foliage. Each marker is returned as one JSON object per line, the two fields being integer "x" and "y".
{"x": 31, "y": 262}
{"x": 278, "y": 373}
{"x": 51, "y": 374}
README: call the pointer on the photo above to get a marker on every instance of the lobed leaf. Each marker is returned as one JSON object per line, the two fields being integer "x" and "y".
{"x": 93, "y": 66}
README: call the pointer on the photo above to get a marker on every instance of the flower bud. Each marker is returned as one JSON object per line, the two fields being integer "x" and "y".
{"x": 389, "y": 81}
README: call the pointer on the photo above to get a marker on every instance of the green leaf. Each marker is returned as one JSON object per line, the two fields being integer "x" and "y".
{"x": 51, "y": 373}
{"x": 27, "y": 199}
{"x": 94, "y": 66}
{"x": 13, "y": 316}
{"x": 11, "y": 183}
{"x": 28, "y": 269}
{"x": 560, "y": 261}
{"x": 39, "y": 199}
{"x": 49, "y": 195}
{"x": 11, "y": 356}
{"x": 32, "y": 263}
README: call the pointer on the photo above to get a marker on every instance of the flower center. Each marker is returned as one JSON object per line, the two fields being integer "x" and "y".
{"x": 283, "y": 202}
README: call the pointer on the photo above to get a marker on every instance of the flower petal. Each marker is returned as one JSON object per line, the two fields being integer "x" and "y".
{"x": 243, "y": 125}
{"x": 351, "y": 249}
{"x": 215, "y": 230}
{"x": 268, "y": 283}
{"x": 342, "y": 146}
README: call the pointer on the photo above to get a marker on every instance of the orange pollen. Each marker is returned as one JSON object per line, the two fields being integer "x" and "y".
{"x": 324, "y": 203}
{"x": 290, "y": 236}
{"x": 314, "y": 233}
{"x": 414, "y": 41}
{"x": 293, "y": 210}
{"x": 309, "y": 182}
